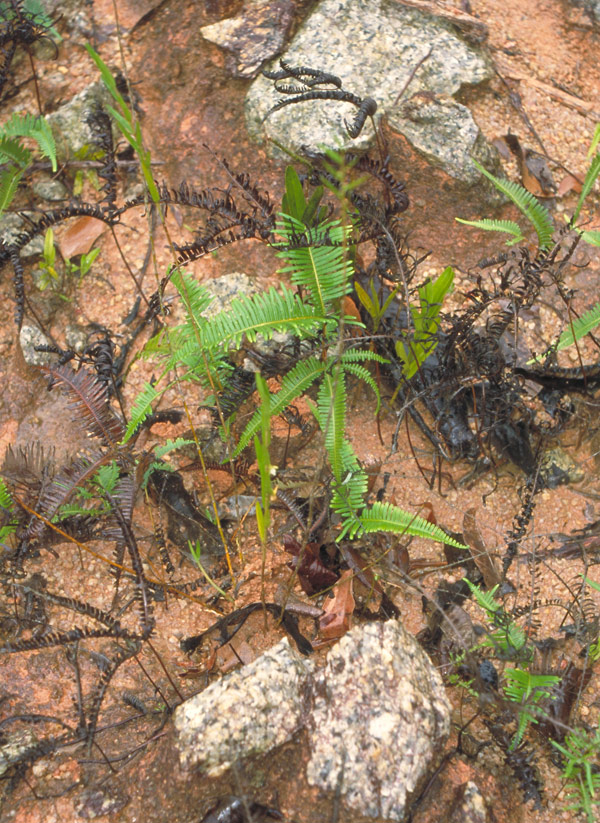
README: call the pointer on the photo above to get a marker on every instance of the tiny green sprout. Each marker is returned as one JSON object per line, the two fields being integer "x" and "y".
{"x": 85, "y": 264}
{"x": 47, "y": 264}
{"x": 196, "y": 554}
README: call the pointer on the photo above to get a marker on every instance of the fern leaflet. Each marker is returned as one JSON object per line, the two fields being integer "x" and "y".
{"x": 320, "y": 263}
{"x": 578, "y": 328}
{"x": 331, "y": 415}
{"x": 262, "y": 314}
{"x": 533, "y": 210}
{"x": 363, "y": 374}
{"x": 196, "y": 298}
{"x": 9, "y": 183}
{"x": 507, "y": 226}
{"x": 26, "y": 125}
{"x": 385, "y": 517}
{"x": 142, "y": 408}
{"x": 294, "y": 384}
{"x": 15, "y": 151}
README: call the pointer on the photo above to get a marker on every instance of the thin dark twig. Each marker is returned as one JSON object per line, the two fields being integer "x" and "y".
{"x": 412, "y": 75}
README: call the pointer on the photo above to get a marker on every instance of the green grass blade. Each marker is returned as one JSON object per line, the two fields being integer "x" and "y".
{"x": 588, "y": 185}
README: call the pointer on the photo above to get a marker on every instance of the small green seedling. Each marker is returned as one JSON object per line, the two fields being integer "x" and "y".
{"x": 527, "y": 690}
{"x": 581, "y": 751}
{"x": 48, "y": 263}
{"x": 129, "y": 127}
{"x": 415, "y": 348}
{"x": 85, "y": 264}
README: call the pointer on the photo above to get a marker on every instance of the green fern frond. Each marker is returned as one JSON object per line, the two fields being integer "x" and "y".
{"x": 384, "y": 517}
{"x": 331, "y": 404}
{"x": 6, "y": 501}
{"x": 7, "y": 507}
{"x": 323, "y": 271}
{"x": 349, "y": 494}
{"x": 484, "y": 599}
{"x": 107, "y": 476}
{"x": 533, "y": 210}
{"x": 322, "y": 266}
{"x": 595, "y": 141}
{"x": 9, "y": 183}
{"x": 294, "y": 384}
{"x": 13, "y": 150}
{"x": 581, "y": 751}
{"x": 527, "y": 689}
{"x": 171, "y": 445}
{"x": 263, "y": 314}
{"x": 142, "y": 408}
{"x": 588, "y": 184}
{"x": 360, "y": 355}
{"x": 591, "y": 237}
{"x": 26, "y": 125}
{"x": 196, "y": 298}
{"x": 507, "y": 226}
{"x": 364, "y": 374}
{"x": 581, "y": 326}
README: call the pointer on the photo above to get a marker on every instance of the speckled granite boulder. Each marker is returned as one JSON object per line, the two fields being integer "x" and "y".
{"x": 373, "y": 46}
{"x": 379, "y": 722}
{"x": 252, "y": 36}
{"x": 591, "y": 7}
{"x": 248, "y": 712}
{"x": 69, "y": 123}
{"x": 469, "y": 805}
{"x": 446, "y": 134}
{"x": 376, "y": 714}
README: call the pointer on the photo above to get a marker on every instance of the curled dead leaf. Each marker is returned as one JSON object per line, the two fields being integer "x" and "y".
{"x": 335, "y": 621}
{"x": 80, "y": 236}
{"x": 313, "y": 575}
{"x": 535, "y": 172}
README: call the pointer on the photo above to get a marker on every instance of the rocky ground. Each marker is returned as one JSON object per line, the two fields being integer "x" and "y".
{"x": 450, "y": 81}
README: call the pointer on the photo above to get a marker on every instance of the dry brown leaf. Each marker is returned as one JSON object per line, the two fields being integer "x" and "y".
{"x": 335, "y": 621}
{"x": 350, "y": 310}
{"x": 483, "y": 559}
{"x": 80, "y": 236}
{"x": 535, "y": 172}
{"x": 567, "y": 184}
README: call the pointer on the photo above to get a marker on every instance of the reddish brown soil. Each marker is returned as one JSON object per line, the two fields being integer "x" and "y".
{"x": 546, "y": 51}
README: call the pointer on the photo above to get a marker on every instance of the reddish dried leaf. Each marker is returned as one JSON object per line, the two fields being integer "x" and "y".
{"x": 429, "y": 513}
{"x": 349, "y": 308}
{"x": 360, "y": 568}
{"x": 371, "y": 468}
{"x": 80, "y": 236}
{"x": 535, "y": 172}
{"x": 338, "y": 609}
{"x": 567, "y": 184}
{"x": 313, "y": 575}
{"x": 291, "y": 545}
